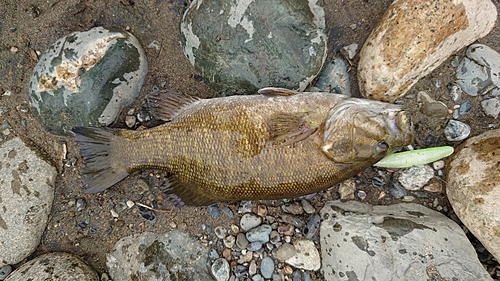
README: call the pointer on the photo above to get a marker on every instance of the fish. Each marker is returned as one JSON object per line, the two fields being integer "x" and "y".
{"x": 276, "y": 144}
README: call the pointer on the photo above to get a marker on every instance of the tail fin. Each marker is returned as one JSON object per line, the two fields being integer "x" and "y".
{"x": 99, "y": 171}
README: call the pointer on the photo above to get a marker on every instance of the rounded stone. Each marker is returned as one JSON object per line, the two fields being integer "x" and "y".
{"x": 473, "y": 187}
{"x": 86, "y": 78}
{"x": 220, "y": 269}
{"x": 46, "y": 267}
{"x": 249, "y": 221}
{"x": 241, "y": 46}
{"x": 267, "y": 267}
{"x": 456, "y": 130}
{"x": 406, "y": 46}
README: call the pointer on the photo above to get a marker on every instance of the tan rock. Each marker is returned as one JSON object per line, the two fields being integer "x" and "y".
{"x": 474, "y": 187}
{"x": 414, "y": 37}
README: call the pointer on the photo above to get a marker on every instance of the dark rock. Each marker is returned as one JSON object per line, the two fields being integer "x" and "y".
{"x": 242, "y": 46}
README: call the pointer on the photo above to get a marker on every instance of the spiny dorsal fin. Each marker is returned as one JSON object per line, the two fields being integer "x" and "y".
{"x": 271, "y": 91}
{"x": 289, "y": 127}
{"x": 165, "y": 105}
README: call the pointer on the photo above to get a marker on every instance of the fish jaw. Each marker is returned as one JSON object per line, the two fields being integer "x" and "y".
{"x": 364, "y": 130}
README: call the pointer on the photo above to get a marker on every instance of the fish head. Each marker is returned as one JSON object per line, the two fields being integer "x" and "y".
{"x": 364, "y": 130}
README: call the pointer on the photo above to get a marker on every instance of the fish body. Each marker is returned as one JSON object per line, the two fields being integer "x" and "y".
{"x": 279, "y": 144}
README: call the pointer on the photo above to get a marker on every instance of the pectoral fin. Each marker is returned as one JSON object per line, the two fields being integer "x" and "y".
{"x": 288, "y": 128}
{"x": 165, "y": 105}
{"x": 271, "y": 91}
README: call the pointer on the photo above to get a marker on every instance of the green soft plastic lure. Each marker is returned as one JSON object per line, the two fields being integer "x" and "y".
{"x": 415, "y": 157}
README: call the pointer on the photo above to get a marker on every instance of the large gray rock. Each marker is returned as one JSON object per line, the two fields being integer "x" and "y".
{"x": 54, "y": 266}
{"x": 158, "y": 256}
{"x": 396, "y": 242}
{"x": 473, "y": 187}
{"x": 86, "y": 78}
{"x": 240, "y": 46}
{"x": 26, "y": 194}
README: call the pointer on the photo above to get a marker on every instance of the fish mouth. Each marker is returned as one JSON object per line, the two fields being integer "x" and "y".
{"x": 400, "y": 126}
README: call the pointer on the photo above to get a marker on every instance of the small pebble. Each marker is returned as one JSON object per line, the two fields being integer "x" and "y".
{"x": 292, "y": 220}
{"x": 286, "y": 229}
{"x": 346, "y": 189}
{"x": 311, "y": 226}
{"x": 81, "y": 204}
{"x": 408, "y": 198}
{"x": 297, "y": 275}
{"x": 262, "y": 210}
{"x": 277, "y": 277}
{"x": 249, "y": 221}
{"x": 456, "y": 130}
{"x": 14, "y": 49}
{"x": 120, "y": 207}
{"x": 4, "y": 271}
{"x": 220, "y": 232}
{"x": 416, "y": 177}
{"x": 465, "y": 108}
{"x": 294, "y": 209}
{"x": 307, "y": 277}
{"x": 308, "y": 208}
{"x": 220, "y": 269}
{"x": 396, "y": 190}
{"x": 351, "y": 50}
{"x": 436, "y": 187}
{"x": 147, "y": 214}
{"x": 143, "y": 116}
{"x": 257, "y": 277}
{"x": 235, "y": 229}
{"x": 377, "y": 182}
{"x": 361, "y": 194}
{"x": 491, "y": 107}
{"x": 254, "y": 246}
{"x": 274, "y": 237}
{"x": 229, "y": 241}
{"x": 213, "y": 254}
{"x": 241, "y": 241}
{"x": 455, "y": 92}
{"x": 213, "y": 210}
{"x": 228, "y": 212}
{"x": 227, "y": 254}
{"x": 252, "y": 268}
{"x": 259, "y": 234}
{"x": 245, "y": 207}
{"x": 130, "y": 121}
{"x": 438, "y": 165}
{"x": 267, "y": 267}
{"x": 285, "y": 251}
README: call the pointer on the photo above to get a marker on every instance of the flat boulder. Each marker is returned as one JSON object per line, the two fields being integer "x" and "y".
{"x": 403, "y": 241}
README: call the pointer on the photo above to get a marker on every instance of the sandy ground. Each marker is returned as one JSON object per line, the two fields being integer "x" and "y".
{"x": 32, "y": 26}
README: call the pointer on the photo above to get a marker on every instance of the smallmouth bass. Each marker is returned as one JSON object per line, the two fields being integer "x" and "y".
{"x": 278, "y": 144}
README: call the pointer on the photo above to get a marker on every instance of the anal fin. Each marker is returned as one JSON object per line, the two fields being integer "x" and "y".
{"x": 181, "y": 193}
{"x": 272, "y": 91}
{"x": 165, "y": 105}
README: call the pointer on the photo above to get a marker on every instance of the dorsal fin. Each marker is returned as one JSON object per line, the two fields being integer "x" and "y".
{"x": 277, "y": 91}
{"x": 165, "y": 105}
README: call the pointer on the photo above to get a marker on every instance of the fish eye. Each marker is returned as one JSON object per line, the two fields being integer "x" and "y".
{"x": 382, "y": 146}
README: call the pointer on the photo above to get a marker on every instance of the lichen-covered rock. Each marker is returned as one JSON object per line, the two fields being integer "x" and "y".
{"x": 54, "y": 266}
{"x": 474, "y": 187}
{"x": 407, "y": 241}
{"x": 158, "y": 256}
{"x": 241, "y": 46}
{"x": 86, "y": 78}
{"x": 27, "y": 184}
{"x": 414, "y": 37}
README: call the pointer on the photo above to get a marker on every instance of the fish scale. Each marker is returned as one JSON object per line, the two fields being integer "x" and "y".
{"x": 247, "y": 147}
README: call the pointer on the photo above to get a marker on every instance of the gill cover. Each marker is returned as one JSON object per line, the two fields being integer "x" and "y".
{"x": 364, "y": 130}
